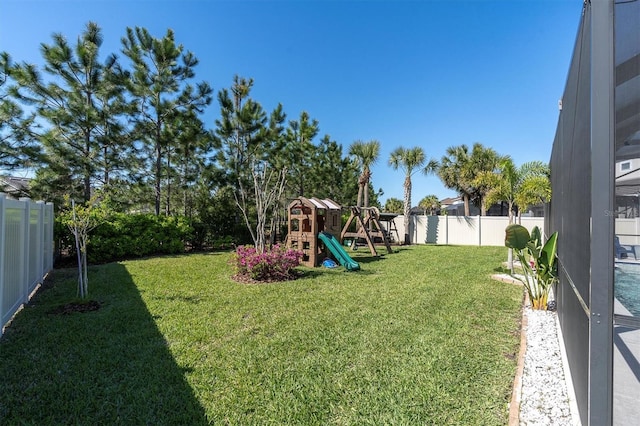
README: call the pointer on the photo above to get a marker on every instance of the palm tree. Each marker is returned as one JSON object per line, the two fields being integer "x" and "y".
{"x": 455, "y": 173}
{"x": 461, "y": 168}
{"x": 366, "y": 154}
{"x": 521, "y": 186}
{"x": 393, "y": 205}
{"x": 409, "y": 160}
{"x": 503, "y": 183}
{"x": 483, "y": 161}
{"x": 430, "y": 204}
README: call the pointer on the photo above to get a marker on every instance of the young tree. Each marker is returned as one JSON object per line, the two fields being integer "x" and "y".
{"x": 76, "y": 105}
{"x": 81, "y": 219}
{"x": 517, "y": 186}
{"x": 160, "y": 90}
{"x": 521, "y": 186}
{"x": 365, "y": 154}
{"x": 410, "y": 160}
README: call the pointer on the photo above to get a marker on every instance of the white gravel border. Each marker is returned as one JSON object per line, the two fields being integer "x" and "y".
{"x": 544, "y": 396}
{"x": 542, "y": 389}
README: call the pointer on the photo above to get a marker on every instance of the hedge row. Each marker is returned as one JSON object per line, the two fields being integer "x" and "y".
{"x": 125, "y": 235}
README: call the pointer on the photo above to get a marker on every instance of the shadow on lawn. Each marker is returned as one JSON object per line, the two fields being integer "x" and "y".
{"x": 109, "y": 366}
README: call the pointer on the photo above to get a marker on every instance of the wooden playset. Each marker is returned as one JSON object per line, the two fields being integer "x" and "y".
{"x": 315, "y": 229}
{"x": 308, "y": 217}
{"x": 368, "y": 228}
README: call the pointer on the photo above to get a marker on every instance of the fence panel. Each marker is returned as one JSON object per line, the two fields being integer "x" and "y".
{"x": 461, "y": 230}
{"x": 26, "y": 251}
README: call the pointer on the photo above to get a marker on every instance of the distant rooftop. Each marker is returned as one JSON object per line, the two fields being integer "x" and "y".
{"x": 15, "y": 186}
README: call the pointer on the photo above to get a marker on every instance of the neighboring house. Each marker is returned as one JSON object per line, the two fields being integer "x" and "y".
{"x": 15, "y": 187}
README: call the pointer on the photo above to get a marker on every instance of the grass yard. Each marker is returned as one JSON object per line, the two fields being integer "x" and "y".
{"x": 421, "y": 336}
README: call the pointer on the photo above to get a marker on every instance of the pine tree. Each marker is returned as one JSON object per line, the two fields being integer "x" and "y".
{"x": 75, "y": 105}
{"x": 17, "y": 145}
{"x": 247, "y": 141}
{"x": 159, "y": 87}
{"x": 299, "y": 152}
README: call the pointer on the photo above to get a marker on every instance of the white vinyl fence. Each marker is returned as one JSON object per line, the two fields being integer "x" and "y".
{"x": 459, "y": 230}
{"x": 26, "y": 251}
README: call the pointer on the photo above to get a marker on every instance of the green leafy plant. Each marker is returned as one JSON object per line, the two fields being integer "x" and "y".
{"x": 538, "y": 261}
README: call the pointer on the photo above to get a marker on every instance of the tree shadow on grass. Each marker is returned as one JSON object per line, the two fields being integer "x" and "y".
{"x": 108, "y": 366}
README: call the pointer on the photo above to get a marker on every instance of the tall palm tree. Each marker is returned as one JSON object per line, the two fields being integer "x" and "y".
{"x": 409, "y": 160}
{"x": 455, "y": 172}
{"x": 366, "y": 154}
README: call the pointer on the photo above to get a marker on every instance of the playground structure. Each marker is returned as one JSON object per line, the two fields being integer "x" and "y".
{"x": 367, "y": 228}
{"x": 314, "y": 229}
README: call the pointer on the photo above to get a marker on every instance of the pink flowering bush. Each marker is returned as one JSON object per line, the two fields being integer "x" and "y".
{"x": 275, "y": 264}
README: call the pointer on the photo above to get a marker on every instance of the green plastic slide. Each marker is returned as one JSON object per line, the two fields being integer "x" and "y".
{"x": 338, "y": 251}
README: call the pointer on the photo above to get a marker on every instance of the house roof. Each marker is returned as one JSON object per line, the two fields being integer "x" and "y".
{"x": 451, "y": 200}
{"x": 16, "y": 186}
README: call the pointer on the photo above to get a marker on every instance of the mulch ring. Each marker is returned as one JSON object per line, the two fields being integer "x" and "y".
{"x": 82, "y": 306}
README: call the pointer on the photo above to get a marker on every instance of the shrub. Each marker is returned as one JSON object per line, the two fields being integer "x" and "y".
{"x": 275, "y": 264}
{"x": 133, "y": 235}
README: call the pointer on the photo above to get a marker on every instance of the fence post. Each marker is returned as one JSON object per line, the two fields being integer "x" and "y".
{"x": 41, "y": 239}
{"x": 2, "y": 249}
{"x": 50, "y": 252}
{"x": 479, "y": 230}
{"x": 25, "y": 252}
{"x": 446, "y": 227}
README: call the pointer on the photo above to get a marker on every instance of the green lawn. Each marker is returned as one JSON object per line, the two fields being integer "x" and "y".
{"x": 421, "y": 336}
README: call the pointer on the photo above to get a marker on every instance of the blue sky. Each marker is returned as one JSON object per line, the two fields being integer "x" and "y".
{"x": 407, "y": 73}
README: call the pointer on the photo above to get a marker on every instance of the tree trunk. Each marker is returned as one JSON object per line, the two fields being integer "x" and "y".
{"x": 158, "y": 177}
{"x": 465, "y": 198}
{"x": 168, "y": 207}
{"x": 360, "y": 192}
{"x": 407, "y": 209}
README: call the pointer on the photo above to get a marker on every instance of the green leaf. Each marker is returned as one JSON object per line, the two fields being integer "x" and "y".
{"x": 516, "y": 237}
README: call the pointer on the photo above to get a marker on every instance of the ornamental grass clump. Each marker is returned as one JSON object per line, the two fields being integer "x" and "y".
{"x": 276, "y": 263}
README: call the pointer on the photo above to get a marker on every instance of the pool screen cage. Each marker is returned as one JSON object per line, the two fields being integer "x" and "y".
{"x": 595, "y": 175}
